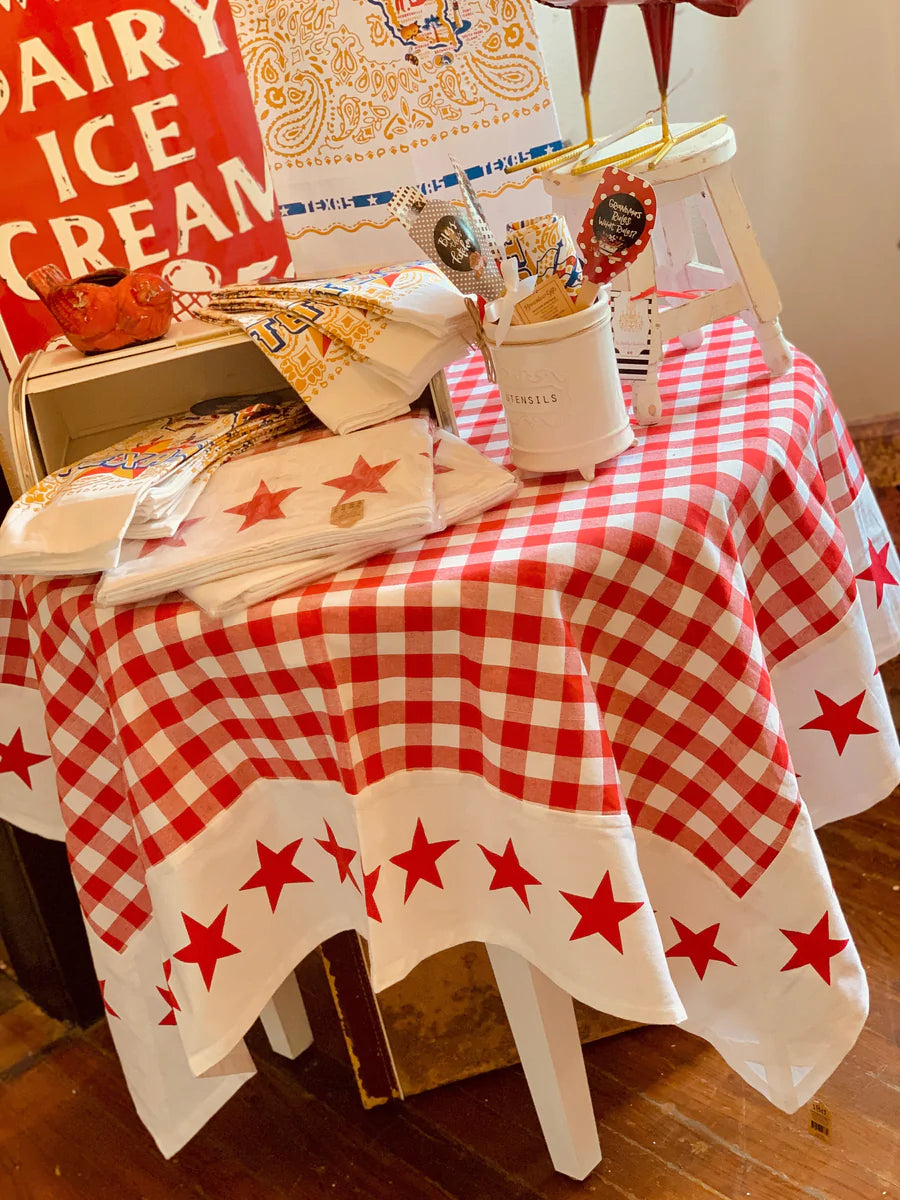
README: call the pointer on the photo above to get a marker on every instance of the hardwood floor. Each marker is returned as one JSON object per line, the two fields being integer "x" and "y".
{"x": 675, "y": 1123}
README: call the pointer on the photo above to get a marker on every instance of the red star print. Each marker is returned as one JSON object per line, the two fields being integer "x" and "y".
{"x": 17, "y": 760}
{"x": 877, "y": 571}
{"x": 264, "y": 506}
{"x": 601, "y": 913}
{"x": 206, "y": 945}
{"x": 362, "y": 478}
{"x": 276, "y": 871}
{"x": 509, "y": 872}
{"x": 420, "y": 860}
{"x": 700, "y": 947}
{"x": 168, "y": 996}
{"x": 342, "y": 855}
{"x": 101, "y": 983}
{"x": 840, "y": 720}
{"x": 370, "y": 882}
{"x": 177, "y": 538}
{"x": 438, "y": 468}
{"x": 814, "y": 949}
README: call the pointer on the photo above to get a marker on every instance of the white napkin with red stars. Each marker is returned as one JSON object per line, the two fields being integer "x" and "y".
{"x": 320, "y": 497}
{"x": 465, "y": 485}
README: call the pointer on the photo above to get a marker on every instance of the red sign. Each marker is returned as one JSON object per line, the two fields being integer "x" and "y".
{"x": 127, "y": 137}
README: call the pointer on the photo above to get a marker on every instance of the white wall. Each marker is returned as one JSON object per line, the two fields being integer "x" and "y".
{"x": 811, "y": 89}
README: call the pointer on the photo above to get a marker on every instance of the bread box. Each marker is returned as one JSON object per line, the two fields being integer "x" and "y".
{"x": 63, "y": 405}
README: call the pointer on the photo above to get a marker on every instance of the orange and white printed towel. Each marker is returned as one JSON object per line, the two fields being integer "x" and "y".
{"x": 358, "y": 350}
{"x": 74, "y": 521}
{"x": 317, "y": 497}
{"x": 465, "y": 485}
{"x": 414, "y": 293}
{"x": 356, "y": 97}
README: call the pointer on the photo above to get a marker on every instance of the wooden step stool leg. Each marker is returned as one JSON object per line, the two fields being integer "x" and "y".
{"x": 774, "y": 346}
{"x": 542, "y": 1019}
{"x": 640, "y": 278}
{"x": 676, "y": 250}
{"x": 285, "y": 1021}
{"x": 733, "y": 238}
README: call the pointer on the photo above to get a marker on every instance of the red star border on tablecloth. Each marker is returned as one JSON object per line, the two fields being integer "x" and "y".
{"x": 101, "y": 984}
{"x": 509, "y": 872}
{"x": 877, "y": 571}
{"x": 814, "y": 949}
{"x": 169, "y": 996}
{"x": 206, "y": 945}
{"x": 601, "y": 913}
{"x": 420, "y": 860}
{"x": 177, "y": 538}
{"x": 263, "y": 506}
{"x": 840, "y": 720}
{"x": 362, "y": 478}
{"x": 276, "y": 871}
{"x": 14, "y": 758}
{"x": 700, "y": 947}
{"x": 342, "y": 855}
{"x": 370, "y": 882}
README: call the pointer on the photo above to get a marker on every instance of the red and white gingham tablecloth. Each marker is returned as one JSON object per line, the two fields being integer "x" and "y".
{"x": 580, "y": 727}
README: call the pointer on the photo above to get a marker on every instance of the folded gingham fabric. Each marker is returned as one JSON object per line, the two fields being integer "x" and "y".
{"x": 465, "y": 485}
{"x": 73, "y": 521}
{"x": 332, "y": 495}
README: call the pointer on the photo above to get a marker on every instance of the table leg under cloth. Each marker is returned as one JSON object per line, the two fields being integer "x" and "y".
{"x": 572, "y": 731}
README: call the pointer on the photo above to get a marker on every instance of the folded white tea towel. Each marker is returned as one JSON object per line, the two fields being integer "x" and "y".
{"x": 465, "y": 484}
{"x": 319, "y": 497}
{"x": 332, "y": 378}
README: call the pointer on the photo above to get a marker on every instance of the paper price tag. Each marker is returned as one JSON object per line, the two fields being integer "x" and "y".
{"x": 347, "y": 514}
{"x": 631, "y": 329}
{"x": 820, "y": 1120}
{"x": 618, "y": 224}
{"x": 548, "y": 301}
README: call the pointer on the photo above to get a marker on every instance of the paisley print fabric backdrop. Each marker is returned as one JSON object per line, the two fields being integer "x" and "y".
{"x": 355, "y": 97}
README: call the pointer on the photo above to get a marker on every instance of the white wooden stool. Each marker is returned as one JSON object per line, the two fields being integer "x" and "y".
{"x": 542, "y": 1019}
{"x": 696, "y": 172}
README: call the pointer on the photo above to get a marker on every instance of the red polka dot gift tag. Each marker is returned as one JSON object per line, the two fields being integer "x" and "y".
{"x": 617, "y": 226}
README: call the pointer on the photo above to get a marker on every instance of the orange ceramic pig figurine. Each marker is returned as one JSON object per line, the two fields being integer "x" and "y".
{"x": 107, "y": 309}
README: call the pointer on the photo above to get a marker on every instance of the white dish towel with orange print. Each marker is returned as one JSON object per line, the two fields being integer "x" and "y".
{"x": 317, "y": 497}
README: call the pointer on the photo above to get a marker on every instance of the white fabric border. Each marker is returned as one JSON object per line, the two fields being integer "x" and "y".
{"x": 840, "y": 665}
{"x": 859, "y": 522}
{"x": 33, "y": 807}
{"x": 206, "y": 874}
{"x": 784, "y": 1033}
{"x": 173, "y": 1103}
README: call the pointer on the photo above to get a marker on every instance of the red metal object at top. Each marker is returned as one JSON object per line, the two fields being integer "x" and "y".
{"x": 659, "y": 19}
{"x": 587, "y": 21}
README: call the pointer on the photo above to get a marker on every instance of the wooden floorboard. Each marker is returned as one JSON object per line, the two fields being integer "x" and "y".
{"x": 675, "y": 1122}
